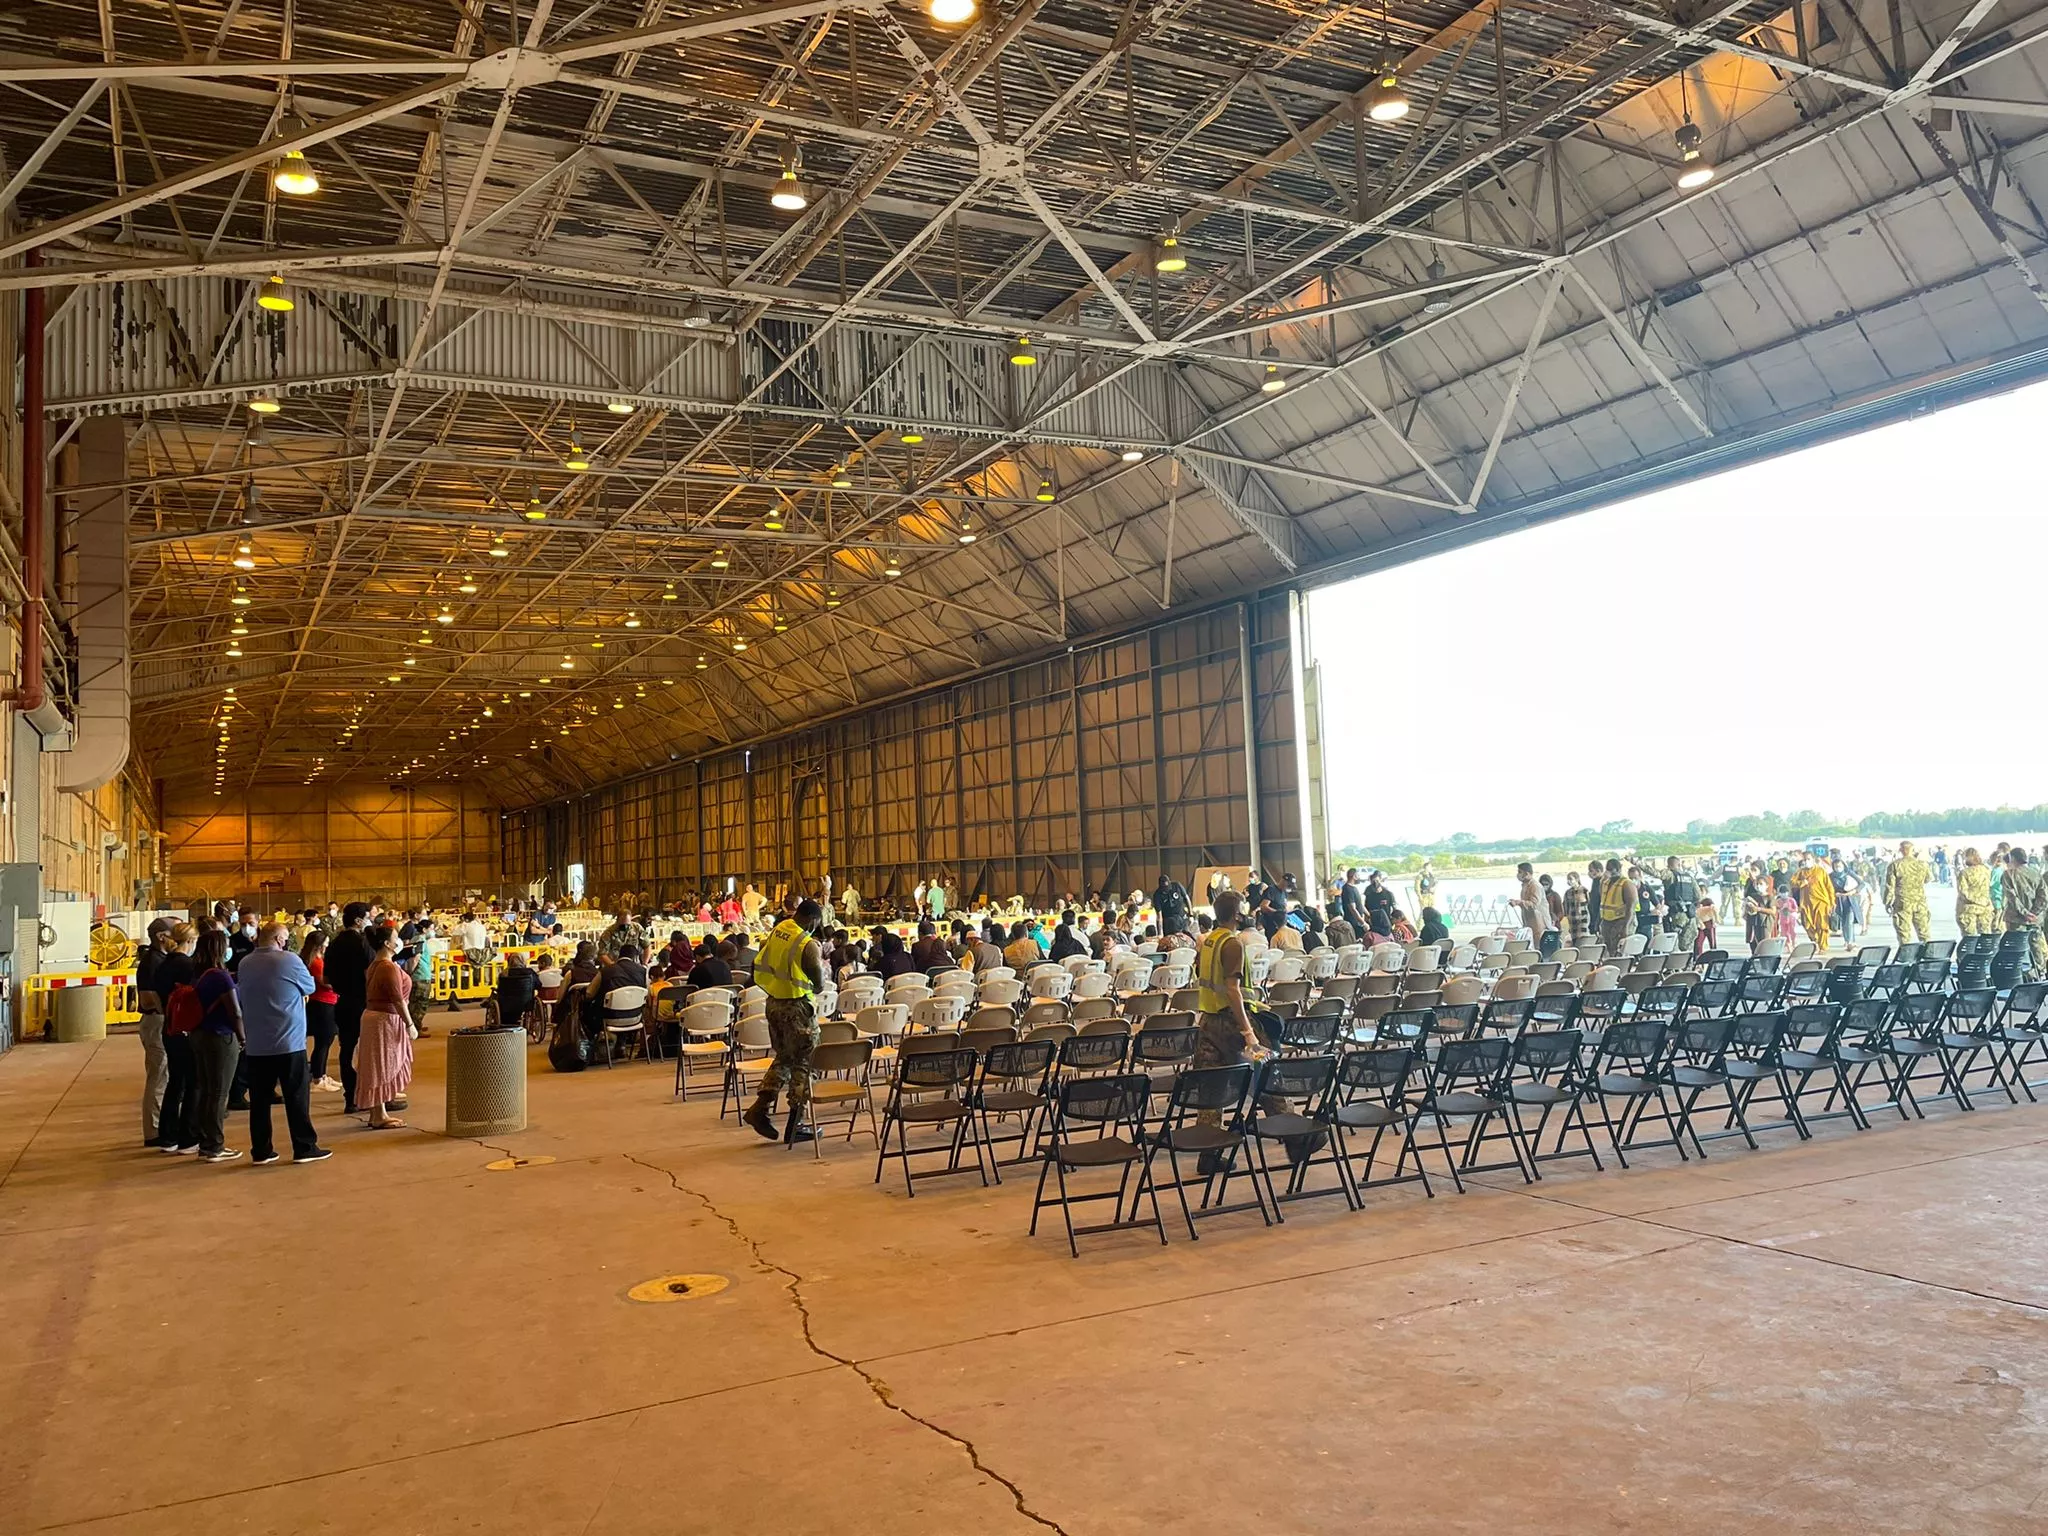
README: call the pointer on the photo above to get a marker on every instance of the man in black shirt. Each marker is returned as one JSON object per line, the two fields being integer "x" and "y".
{"x": 150, "y": 1004}
{"x": 711, "y": 970}
{"x": 518, "y": 988}
{"x": 1170, "y": 904}
{"x": 347, "y": 971}
{"x": 929, "y": 953}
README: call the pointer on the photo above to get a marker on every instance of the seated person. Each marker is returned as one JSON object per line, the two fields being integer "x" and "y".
{"x": 513, "y": 997}
{"x": 929, "y": 953}
{"x": 1433, "y": 930}
{"x": 1066, "y": 939}
{"x": 892, "y": 958}
{"x": 713, "y": 967}
{"x": 1403, "y": 930}
{"x": 1023, "y": 951}
{"x": 621, "y": 970}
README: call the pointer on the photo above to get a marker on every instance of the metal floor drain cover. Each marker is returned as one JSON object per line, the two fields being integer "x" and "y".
{"x": 678, "y": 1288}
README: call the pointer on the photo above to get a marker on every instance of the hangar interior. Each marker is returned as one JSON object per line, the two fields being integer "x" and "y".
{"x": 453, "y": 442}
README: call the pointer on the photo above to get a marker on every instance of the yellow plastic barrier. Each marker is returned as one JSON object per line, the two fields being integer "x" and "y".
{"x": 36, "y": 990}
{"x": 457, "y": 981}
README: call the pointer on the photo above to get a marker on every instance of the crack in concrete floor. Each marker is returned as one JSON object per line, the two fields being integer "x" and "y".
{"x": 878, "y": 1387}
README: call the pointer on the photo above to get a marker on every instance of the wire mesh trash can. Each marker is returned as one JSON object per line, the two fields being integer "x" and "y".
{"x": 81, "y": 1014}
{"x": 486, "y": 1082}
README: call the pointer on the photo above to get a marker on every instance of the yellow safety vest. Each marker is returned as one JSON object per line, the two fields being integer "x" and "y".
{"x": 1613, "y": 901}
{"x": 1209, "y": 973}
{"x": 779, "y": 967}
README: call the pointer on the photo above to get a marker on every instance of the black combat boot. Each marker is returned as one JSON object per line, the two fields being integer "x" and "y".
{"x": 796, "y": 1131}
{"x": 757, "y": 1118}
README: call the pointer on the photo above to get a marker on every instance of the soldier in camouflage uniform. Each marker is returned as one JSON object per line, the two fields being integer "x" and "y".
{"x": 624, "y": 933}
{"x": 1905, "y": 895}
{"x": 791, "y": 971}
{"x": 2025, "y": 896}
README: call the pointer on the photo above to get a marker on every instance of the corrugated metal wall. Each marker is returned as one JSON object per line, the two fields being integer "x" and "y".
{"x": 298, "y": 844}
{"x": 1090, "y": 769}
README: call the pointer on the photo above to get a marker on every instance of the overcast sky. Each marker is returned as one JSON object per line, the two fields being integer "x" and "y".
{"x": 1856, "y": 627}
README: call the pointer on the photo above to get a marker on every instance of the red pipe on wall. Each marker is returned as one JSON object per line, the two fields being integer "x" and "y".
{"x": 33, "y": 515}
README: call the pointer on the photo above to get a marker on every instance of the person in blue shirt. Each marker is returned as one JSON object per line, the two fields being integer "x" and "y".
{"x": 273, "y": 984}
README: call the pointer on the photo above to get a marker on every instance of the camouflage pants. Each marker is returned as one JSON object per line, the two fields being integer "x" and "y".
{"x": 1913, "y": 922}
{"x": 2037, "y": 945}
{"x": 1975, "y": 917}
{"x": 793, "y": 1031}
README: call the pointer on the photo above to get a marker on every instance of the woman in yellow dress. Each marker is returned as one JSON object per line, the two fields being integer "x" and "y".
{"x": 1816, "y": 890}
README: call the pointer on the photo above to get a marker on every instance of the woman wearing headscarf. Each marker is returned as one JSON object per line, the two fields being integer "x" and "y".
{"x": 384, "y": 1049}
{"x": 1815, "y": 888}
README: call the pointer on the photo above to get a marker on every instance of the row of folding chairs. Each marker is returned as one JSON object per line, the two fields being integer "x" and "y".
{"x": 1641, "y": 1082}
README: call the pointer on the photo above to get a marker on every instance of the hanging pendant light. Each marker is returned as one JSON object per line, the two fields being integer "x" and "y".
{"x": 1022, "y": 353}
{"x": 967, "y": 534}
{"x": 718, "y": 560}
{"x": 1272, "y": 383}
{"x": 1386, "y": 102}
{"x": 1436, "y": 303}
{"x": 620, "y": 407}
{"x": 842, "y": 478}
{"x": 498, "y": 551}
{"x": 789, "y": 194}
{"x": 668, "y": 593}
{"x": 575, "y": 460}
{"x": 535, "y": 512}
{"x": 274, "y": 297}
{"x": 1133, "y": 455}
{"x": 695, "y": 316}
{"x": 913, "y": 437}
{"x": 265, "y": 403}
{"x": 295, "y": 176}
{"x": 1045, "y": 490}
{"x": 951, "y": 13}
{"x": 1167, "y": 256}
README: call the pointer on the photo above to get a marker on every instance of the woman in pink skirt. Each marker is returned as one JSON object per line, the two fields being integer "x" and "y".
{"x": 384, "y": 1049}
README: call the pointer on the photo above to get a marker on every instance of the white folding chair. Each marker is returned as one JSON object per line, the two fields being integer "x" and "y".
{"x": 1050, "y": 982}
{"x": 704, "y": 1031}
{"x": 1091, "y": 984}
{"x": 937, "y": 1013}
{"x": 624, "y": 1016}
{"x": 1002, "y": 989}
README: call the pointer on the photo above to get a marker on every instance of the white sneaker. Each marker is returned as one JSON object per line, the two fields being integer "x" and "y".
{"x": 328, "y": 1085}
{"x": 224, "y": 1155}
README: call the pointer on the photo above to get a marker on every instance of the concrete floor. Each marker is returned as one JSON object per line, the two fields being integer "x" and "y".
{"x": 1846, "y": 1336}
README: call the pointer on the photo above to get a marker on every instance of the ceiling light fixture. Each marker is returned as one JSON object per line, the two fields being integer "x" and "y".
{"x": 1133, "y": 455}
{"x": 951, "y": 13}
{"x": 892, "y": 568}
{"x": 444, "y": 617}
{"x": 1167, "y": 256}
{"x": 295, "y": 176}
{"x": 668, "y": 593}
{"x": 1386, "y": 102}
{"x": 620, "y": 407}
{"x": 1272, "y": 383}
{"x": 273, "y": 296}
{"x": 265, "y": 403}
{"x": 1045, "y": 491}
{"x": 718, "y": 560}
{"x": 575, "y": 460}
{"x": 1022, "y": 354}
{"x": 772, "y": 522}
{"x": 842, "y": 479}
{"x": 1694, "y": 169}
{"x": 913, "y": 437}
{"x": 967, "y": 534}
{"x": 1436, "y": 303}
{"x": 790, "y": 195}
{"x": 535, "y": 512}
{"x": 695, "y": 316}
{"x": 468, "y": 587}
{"x": 632, "y": 619}
{"x": 831, "y": 597}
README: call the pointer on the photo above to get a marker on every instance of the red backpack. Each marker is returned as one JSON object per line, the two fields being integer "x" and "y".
{"x": 182, "y": 1010}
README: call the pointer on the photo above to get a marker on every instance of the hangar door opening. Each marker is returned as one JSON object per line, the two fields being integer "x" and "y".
{"x": 1832, "y": 647}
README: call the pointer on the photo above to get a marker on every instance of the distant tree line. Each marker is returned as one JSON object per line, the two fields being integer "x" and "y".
{"x": 1461, "y": 850}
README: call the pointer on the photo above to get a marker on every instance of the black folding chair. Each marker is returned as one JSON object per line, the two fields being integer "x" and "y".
{"x": 1662, "y": 1002}
{"x": 1969, "y": 1031}
{"x": 1089, "y": 1055}
{"x": 1908, "y": 955}
{"x": 1695, "y": 1064}
{"x": 1113, "y": 1107}
{"x": 1724, "y": 969}
{"x": 1930, "y": 975}
{"x": 1507, "y": 1015}
{"x": 1303, "y": 1084}
{"x": 1163, "y": 1050}
{"x": 1557, "y": 1011}
{"x": 1456, "y": 1021}
{"x": 1597, "y": 1011}
{"x": 929, "y": 1091}
{"x": 1406, "y": 1026}
{"x": 1914, "y": 1044}
{"x": 2022, "y": 1030}
{"x": 1012, "y": 1083}
{"x": 1468, "y": 1081}
{"x": 1753, "y": 1055}
{"x": 1870, "y": 956}
{"x": 1756, "y": 994}
{"x": 1630, "y": 1067}
{"x": 1205, "y": 1117}
{"x": 1863, "y": 1046}
{"x": 1371, "y": 1094}
{"x": 1309, "y": 1036}
{"x": 1546, "y": 1072}
{"x": 1887, "y": 981}
{"x": 1803, "y": 987}
{"x": 1709, "y": 1000}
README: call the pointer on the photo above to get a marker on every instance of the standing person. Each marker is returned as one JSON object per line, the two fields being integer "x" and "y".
{"x": 1578, "y": 911}
{"x": 1788, "y": 914}
{"x": 319, "y": 1008}
{"x": 418, "y": 959}
{"x": 1170, "y": 902}
{"x": 2025, "y": 897}
{"x": 751, "y": 903}
{"x": 149, "y": 1003}
{"x": 1650, "y": 907}
{"x": 1815, "y": 889}
{"x": 791, "y": 971}
{"x": 1425, "y": 884}
{"x": 273, "y": 985}
{"x": 1758, "y": 906}
{"x": 217, "y": 1046}
{"x": 1731, "y": 892}
{"x": 1379, "y": 904}
{"x": 1596, "y": 886}
{"x": 1617, "y": 907}
{"x": 849, "y": 903}
{"x": 173, "y": 977}
{"x": 347, "y": 968}
{"x": 1848, "y": 896}
{"x": 1974, "y": 912}
{"x": 1706, "y": 932}
{"x": 1350, "y": 905}
{"x": 1905, "y": 895}
{"x": 384, "y": 1046}
{"x": 935, "y": 897}
{"x": 1681, "y": 903}
{"x": 1534, "y": 910}
{"x": 1554, "y": 905}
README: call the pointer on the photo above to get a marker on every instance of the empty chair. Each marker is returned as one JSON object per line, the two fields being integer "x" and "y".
{"x": 1380, "y": 984}
{"x": 748, "y": 1054}
{"x": 703, "y": 1034}
{"x": 1043, "y": 1011}
{"x": 1511, "y": 988}
{"x": 1050, "y": 982}
{"x": 915, "y": 992}
{"x": 997, "y": 973}
{"x": 931, "y": 1013}
{"x": 1635, "y": 944}
{"x": 1076, "y": 965}
{"x": 1303, "y": 1084}
{"x": 1113, "y": 1108}
{"x": 883, "y": 1020}
{"x": 1001, "y": 989}
{"x": 1143, "y": 1005}
{"x": 839, "y": 1080}
{"x": 1288, "y": 968}
{"x": 1770, "y": 946}
{"x": 1320, "y": 965}
{"x": 930, "y": 1091}
{"x": 983, "y": 1019}
{"x": 1279, "y": 992}
{"x": 1092, "y": 1010}
{"x": 1172, "y": 975}
{"x": 1464, "y": 989}
{"x": 1461, "y": 957}
{"x": 1165, "y": 1046}
{"x": 1131, "y": 974}
{"x": 1424, "y": 957}
{"x": 1389, "y": 957}
{"x": 1665, "y": 943}
{"x": 1012, "y": 1086}
{"x": 1351, "y": 960}
{"x": 1202, "y": 1118}
{"x": 1592, "y": 951}
{"x": 1094, "y": 984}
